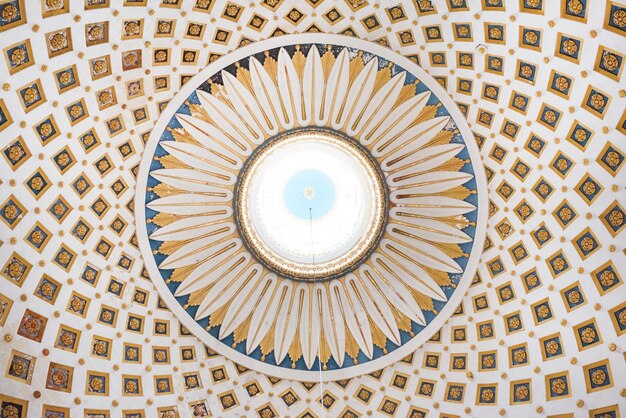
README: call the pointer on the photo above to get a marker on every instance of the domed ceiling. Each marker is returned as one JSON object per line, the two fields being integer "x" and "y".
{"x": 127, "y": 186}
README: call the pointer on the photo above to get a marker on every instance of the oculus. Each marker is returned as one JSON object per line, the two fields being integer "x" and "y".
{"x": 312, "y": 204}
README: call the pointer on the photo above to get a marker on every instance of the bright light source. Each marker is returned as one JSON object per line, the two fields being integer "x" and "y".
{"x": 311, "y": 199}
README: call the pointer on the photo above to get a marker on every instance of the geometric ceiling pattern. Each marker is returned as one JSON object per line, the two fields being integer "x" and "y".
{"x": 541, "y": 329}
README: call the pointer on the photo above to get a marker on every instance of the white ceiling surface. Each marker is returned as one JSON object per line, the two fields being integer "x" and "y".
{"x": 597, "y": 306}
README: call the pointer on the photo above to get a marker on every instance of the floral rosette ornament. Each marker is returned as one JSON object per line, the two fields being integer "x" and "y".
{"x": 312, "y": 204}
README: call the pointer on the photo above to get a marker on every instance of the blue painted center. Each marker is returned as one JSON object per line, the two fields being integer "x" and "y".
{"x": 309, "y": 189}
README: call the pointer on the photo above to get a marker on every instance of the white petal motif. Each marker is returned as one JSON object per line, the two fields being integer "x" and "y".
{"x": 419, "y": 160}
{"x": 409, "y": 274}
{"x": 395, "y": 292}
{"x": 267, "y": 96}
{"x": 361, "y": 88}
{"x": 429, "y": 206}
{"x": 332, "y": 323}
{"x": 313, "y": 77}
{"x": 194, "y": 180}
{"x": 361, "y": 124}
{"x": 289, "y": 88}
{"x": 247, "y": 108}
{"x": 394, "y": 123}
{"x": 207, "y": 203}
{"x": 266, "y": 310}
{"x": 287, "y": 323}
{"x": 336, "y": 88}
{"x": 211, "y": 259}
{"x": 309, "y": 329}
{"x": 229, "y": 280}
{"x": 376, "y": 306}
{"x": 430, "y": 183}
{"x": 409, "y": 138}
{"x": 355, "y": 317}
{"x": 428, "y": 230}
{"x": 200, "y": 248}
{"x": 229, "y": 123}
{"x": 203, "y": 158}
{"x": 192, "y": 227}
{"x": 244, "y": 302}
{"x": 420, "y": 251}
{"x": 213, "y": 135}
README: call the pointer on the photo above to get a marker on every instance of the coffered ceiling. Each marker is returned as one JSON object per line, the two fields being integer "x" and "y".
{"x": 540, "y": 331}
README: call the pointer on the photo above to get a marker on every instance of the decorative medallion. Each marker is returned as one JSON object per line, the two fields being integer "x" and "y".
{"x": 312, "y": 205}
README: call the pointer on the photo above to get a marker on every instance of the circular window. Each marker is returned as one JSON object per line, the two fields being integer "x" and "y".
{"x": 311, "y": 204}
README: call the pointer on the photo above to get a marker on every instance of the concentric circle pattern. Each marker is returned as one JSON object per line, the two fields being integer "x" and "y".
{"x": 540, "y": 331}
{"x": 400, "y": 270}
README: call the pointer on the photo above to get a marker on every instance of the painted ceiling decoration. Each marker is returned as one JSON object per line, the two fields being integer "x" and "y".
{"x": 248, "y": 283}
{"x": 114, "y": 115}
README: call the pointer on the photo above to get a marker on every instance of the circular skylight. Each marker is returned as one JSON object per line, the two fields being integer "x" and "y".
{"x": 309, "y": 193}
{"x": 311, "y": 204}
